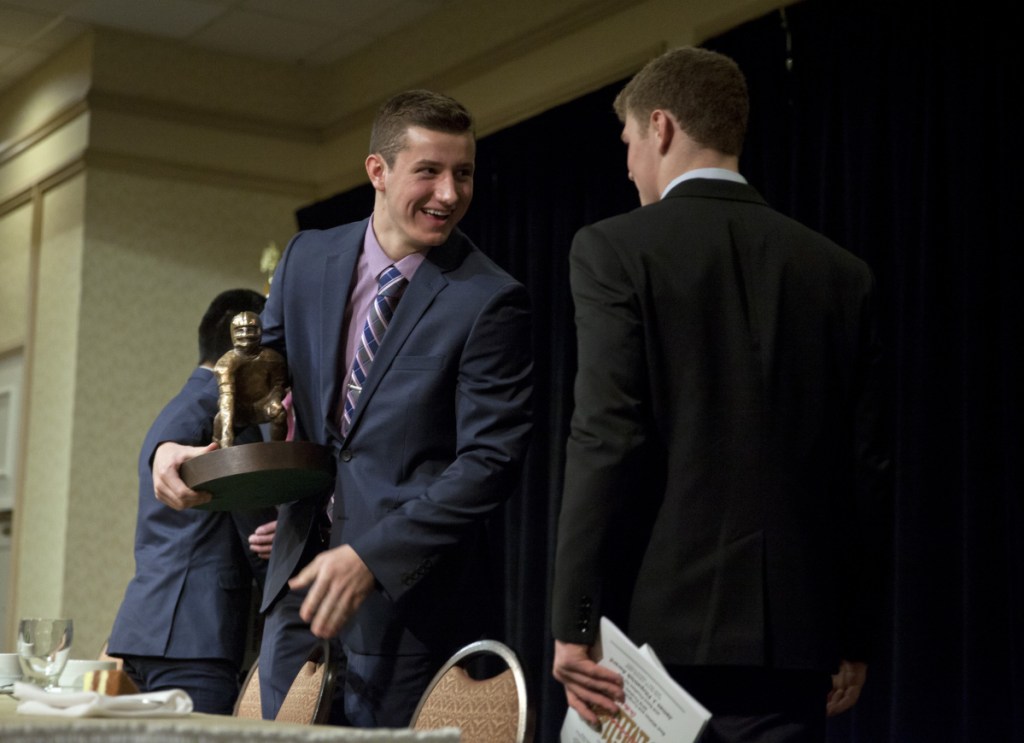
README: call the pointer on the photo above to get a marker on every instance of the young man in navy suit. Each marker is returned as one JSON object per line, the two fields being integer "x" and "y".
{"x": 726, "y": 483}
{"x": 185, "y": 613}
{"x": 409, "y": 354}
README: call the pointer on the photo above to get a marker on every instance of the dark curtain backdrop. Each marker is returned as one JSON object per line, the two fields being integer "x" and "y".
{"x": 889, "y": 130}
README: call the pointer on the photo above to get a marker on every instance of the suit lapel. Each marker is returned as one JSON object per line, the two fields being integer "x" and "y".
{"x": 428, "y": 282}
{"x": 338, "y": 268}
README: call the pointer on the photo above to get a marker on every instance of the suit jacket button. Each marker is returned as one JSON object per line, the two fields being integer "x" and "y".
{"x": 346, "y": 455}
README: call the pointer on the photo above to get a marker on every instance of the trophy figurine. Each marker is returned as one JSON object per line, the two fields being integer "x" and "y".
{"x": 251, "y": 389}
{"x": 250, "y": 380}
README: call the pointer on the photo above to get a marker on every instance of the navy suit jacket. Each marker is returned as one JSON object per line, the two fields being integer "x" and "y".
{"x": 727, "y": 477}
{"x": 190, "y": 594}
{"x": 437, "y": 438}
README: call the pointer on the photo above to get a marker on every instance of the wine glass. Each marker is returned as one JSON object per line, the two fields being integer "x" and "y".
{"x": 43, "y": 649}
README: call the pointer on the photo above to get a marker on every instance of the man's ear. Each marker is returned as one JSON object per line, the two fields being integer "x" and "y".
{"x": 663, "y": 127}
{"x": 376, "y": 169}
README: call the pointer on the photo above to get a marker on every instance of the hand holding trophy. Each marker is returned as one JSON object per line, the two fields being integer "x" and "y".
{"x": 252, "y": 382}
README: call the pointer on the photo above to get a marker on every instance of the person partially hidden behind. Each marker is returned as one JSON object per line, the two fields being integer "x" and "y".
{"x": 183, "y": 621}
{"x": 410, "y": 356}
{"x": 727, "y": 481}
{"x": 250, "y": 383}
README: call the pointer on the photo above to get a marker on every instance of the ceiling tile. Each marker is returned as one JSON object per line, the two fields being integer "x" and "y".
{"x": 308, "y": 31}
{"x": 338, "y": 14}
{"x": 42, "y": 6}
{"x": 339, "y": 48}
{"x": 407, "y": 13}
{"x": 174, "y": 18}
{"x": 18, "y": 26}
{"x": 255, "y": 34}
{"x": 58, "y": 36}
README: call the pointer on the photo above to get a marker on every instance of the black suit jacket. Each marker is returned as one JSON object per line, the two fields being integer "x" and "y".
{"x": 725, "y": 487}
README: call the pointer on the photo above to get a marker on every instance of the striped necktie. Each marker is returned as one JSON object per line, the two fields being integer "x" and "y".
{"x": 390, "y": 287}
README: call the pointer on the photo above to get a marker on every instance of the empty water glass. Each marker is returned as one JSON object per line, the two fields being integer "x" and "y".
{"x": 43, "y": 649}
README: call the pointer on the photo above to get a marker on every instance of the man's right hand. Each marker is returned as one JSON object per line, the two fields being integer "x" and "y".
{"x": 588, "y": 686}
{"x": 847, "y": 684}
{"x": 168, "y": 486}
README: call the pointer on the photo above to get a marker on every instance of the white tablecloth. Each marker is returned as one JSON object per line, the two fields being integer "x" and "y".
{"x": 195, "y": 728}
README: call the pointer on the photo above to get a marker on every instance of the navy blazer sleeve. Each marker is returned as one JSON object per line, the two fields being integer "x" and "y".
{"x": 492, "y": 422}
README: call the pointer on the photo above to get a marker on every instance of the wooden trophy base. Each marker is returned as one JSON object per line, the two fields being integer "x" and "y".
{"x": 257, "y": 475}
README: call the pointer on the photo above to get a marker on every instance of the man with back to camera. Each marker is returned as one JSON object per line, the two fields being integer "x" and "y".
{"x": 185, "y": 613}
{"x": 726, "y": 479}
{"x": 409, "y": 355}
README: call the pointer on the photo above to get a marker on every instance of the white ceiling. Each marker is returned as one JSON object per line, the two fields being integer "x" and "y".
{"x": 308, "y": 31}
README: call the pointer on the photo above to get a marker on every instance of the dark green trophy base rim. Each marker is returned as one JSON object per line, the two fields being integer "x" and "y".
{"x": 258, "y": 475}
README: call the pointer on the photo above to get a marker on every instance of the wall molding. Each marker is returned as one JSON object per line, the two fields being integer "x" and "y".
{"x": 148, "y": 166}
{"x": 16, "y": 201}
{"x": 152, "y": 108}
{"x": 55, "y": 177}
{"x": 304, "y": 190}
{"x": 31, "y": 139}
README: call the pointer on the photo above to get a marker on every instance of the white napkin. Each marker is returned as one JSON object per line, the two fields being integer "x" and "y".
{"x": 35, "y": 701}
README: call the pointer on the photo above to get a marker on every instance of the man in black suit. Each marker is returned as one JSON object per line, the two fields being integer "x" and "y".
{"x": 726, "y": 479}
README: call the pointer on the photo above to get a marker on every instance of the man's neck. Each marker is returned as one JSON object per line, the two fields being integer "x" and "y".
{"x": 685, "y": 154}
{"x": 390, "y": 240}
{"x": 696, "y": 160}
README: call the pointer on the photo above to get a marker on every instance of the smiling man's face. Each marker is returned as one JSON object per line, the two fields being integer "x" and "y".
{"x": 424, "y": 194}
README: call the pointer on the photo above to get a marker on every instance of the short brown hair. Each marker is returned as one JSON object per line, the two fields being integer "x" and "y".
{"x": 424, "y": 108}
{"x": 704, "y": 90}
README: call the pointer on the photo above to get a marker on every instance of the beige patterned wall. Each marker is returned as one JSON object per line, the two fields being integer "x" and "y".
{"x": 43, "y": 517}
{"x": 156, "y": 252}
{"x": 15, "y": 244}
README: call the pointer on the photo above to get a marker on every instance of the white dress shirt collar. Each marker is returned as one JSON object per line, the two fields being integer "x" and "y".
{"x": 718, "y": 173}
